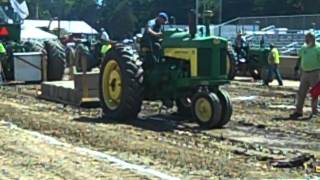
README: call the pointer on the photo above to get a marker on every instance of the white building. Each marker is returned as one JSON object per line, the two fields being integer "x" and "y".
{"x": 71, "y": 27}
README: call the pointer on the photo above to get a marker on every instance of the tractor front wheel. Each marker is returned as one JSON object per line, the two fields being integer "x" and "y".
{"x": 206, "y": 109}
{"x": 121, "y": 90}
{"x": 227, "y": 108}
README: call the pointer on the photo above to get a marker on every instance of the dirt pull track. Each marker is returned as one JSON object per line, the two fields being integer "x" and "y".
{"x": 24, "y": 155}
{"x": 256, "y": 136}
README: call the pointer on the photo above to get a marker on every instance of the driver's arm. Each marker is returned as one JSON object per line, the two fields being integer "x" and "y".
{"x": 153, "y": 33}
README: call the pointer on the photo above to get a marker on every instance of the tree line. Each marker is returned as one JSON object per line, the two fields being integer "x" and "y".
{"x": 125, "y": 17}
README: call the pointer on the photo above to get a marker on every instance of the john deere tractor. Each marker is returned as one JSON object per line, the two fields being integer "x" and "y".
{"x": 189, "y": 72}
{"x": 10, "y": 35}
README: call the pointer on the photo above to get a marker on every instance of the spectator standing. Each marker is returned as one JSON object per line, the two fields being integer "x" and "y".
{"x": 104, "y": 35}
{"x": 273, "y": 66}
{"x": 309, "y": 61}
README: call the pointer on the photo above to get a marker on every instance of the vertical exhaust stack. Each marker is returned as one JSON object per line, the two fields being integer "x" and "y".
{"x": 193, "y": 23}
{"x": 172, "y": 21}
{"x": 207, "y": 15}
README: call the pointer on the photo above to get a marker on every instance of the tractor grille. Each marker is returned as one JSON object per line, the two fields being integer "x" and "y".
{"x": 205, "y": 62}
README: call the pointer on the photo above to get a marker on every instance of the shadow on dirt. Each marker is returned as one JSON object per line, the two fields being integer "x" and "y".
{"x": 290, "y": 119}
{"x": 157, "y": 123}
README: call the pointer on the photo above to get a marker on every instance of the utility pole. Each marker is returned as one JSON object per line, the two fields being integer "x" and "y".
{"x": 220, "y": 11}
{"x": 37, "y": 9}
{"x": 197, "y": 11}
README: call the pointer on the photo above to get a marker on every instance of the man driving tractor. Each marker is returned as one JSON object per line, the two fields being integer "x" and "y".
{"x": 239, "y": 44}
{"x": 151, "y": 40}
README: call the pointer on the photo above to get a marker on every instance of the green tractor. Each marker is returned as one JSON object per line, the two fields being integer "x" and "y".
{"x": 10, "y": 35}
{"x": 190, "y": 72}
{"x": 258, "y": 62}
{"x": 10, "y": 22}
{"x": 252, "y": 60}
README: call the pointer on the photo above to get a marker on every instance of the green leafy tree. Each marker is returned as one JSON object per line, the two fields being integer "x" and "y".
{"x": 268, "y": 7}
{"x": 64, "y": 9}
{"x": 122, "y": 21}
{"x": 128, "y": 16}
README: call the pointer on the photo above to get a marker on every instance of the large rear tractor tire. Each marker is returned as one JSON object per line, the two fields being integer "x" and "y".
{"x": 55, "y": 55}
{"x": 70, "y": 56}
{"x": 227, "y": 108}
{"x": 82, "y": 53}
{"x": 56, "y": 60}
{"x": 34, "y": 46}
{"x": 121, "y": 88}
{"x": 206, "y": 110}
{"x": 231, "y": 65}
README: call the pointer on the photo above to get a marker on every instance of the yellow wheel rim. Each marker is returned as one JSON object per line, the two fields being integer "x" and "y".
{"x": 112, "y": 85}
{"x": 203, "y": 110}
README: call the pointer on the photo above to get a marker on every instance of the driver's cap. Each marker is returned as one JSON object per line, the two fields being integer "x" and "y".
{"x": 164, "y": 16}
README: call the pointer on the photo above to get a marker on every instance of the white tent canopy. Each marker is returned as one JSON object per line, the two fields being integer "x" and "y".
{"x": 29, "y": 32}
{"x": 73, "y": 27}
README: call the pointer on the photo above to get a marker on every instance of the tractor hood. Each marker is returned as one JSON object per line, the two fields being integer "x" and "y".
{"x": 207, "y": 54}
{"x": 182, "y": 39}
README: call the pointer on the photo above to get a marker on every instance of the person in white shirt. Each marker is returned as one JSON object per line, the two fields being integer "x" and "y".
{"x": 104, "y": 35}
